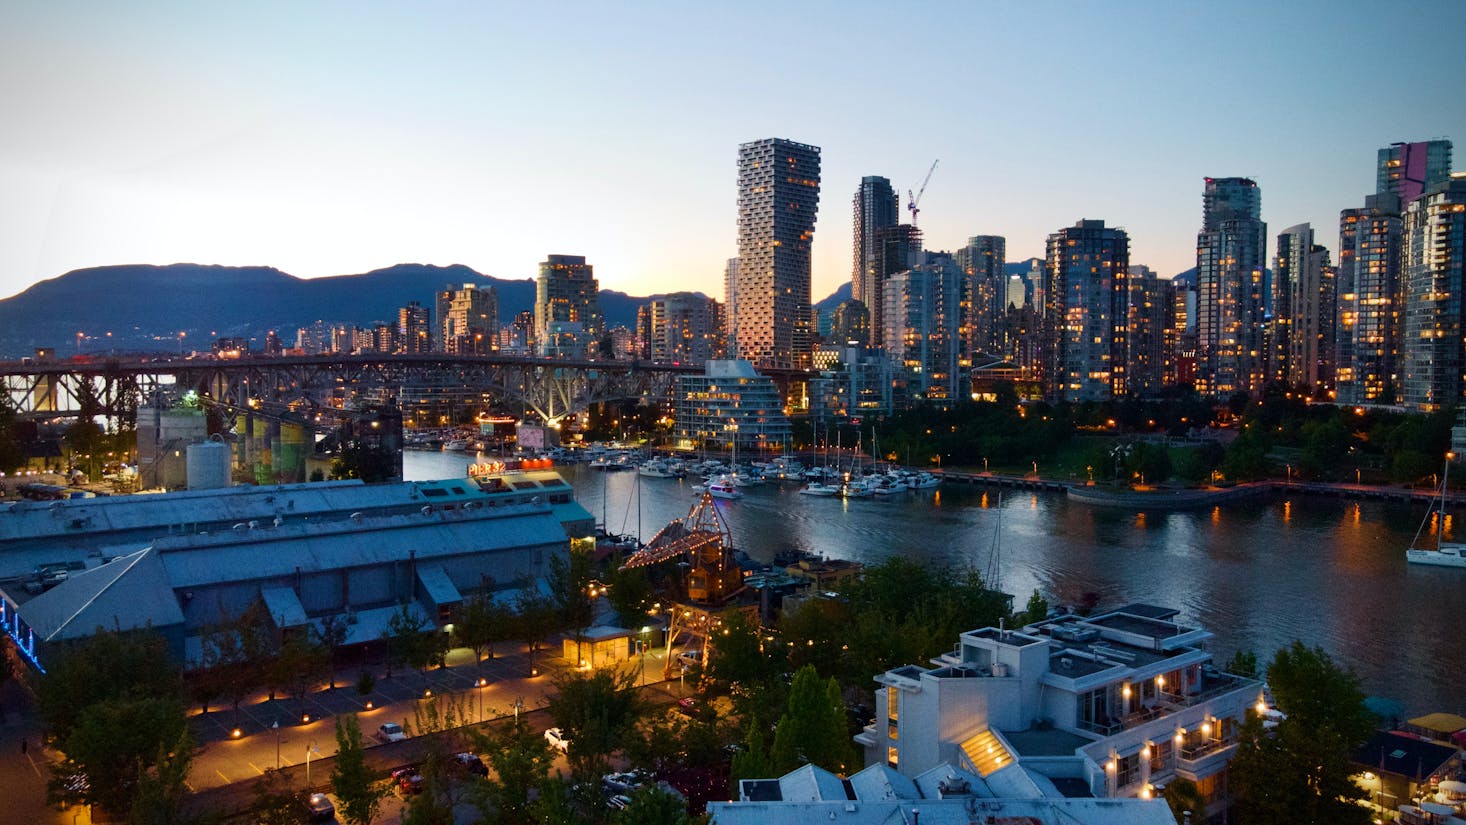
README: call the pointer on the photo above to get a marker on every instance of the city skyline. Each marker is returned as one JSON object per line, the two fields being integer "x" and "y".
{"x": 320, "y": 144}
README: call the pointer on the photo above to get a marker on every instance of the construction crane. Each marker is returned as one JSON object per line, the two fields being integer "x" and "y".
{"x": 913, "y": 200}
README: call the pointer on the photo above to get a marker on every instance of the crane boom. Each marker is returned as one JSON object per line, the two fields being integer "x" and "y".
{"x": 913, "y": 200}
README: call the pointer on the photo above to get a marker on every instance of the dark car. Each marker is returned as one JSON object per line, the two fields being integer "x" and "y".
{"x": 319, "y": 808}
{"x": 408, "y": 779}
{"x": 471, "y": 763}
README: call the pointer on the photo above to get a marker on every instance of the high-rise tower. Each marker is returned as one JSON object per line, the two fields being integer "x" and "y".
{"x": 1304, "y": 306}
{"x": 1410, "y": 169}
{"x": 567, "y": 308}
{"x": 1434, "y": 263}
{"x": 982, "y": 261}
{"x": 1231, "y": 251}
{"x": 876, "y": 205}
{"x": 778, "y": 199}
{"x": 468, "y": 320}
{"x": 1086, "y": 298}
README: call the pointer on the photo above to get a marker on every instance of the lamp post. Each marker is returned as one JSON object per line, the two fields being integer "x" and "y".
{"x": 518, "y": 706}
{"x": 275, "y": 726}
{"x": 480, "y": 686}
{"x": 309, "y": 748}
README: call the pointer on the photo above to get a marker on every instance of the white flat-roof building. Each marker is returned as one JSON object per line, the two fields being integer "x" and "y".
{"x": 1114, "y": 705}
{"x": 943, "y": 795}
{"x": 729, "y": 402}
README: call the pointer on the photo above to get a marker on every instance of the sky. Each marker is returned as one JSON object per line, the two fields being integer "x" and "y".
{"x": 331, "y": 138}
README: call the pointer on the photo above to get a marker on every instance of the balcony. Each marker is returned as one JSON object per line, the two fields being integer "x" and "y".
{"x": 1205, "y": 757}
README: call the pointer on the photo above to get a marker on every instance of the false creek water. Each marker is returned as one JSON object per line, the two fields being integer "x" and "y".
{"x": 1330, "y": 572}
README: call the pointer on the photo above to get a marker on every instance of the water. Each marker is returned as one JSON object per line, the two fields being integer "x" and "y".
{"x": 1329, "y": 572}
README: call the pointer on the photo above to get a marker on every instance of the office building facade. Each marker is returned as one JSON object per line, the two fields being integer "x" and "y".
{"x": 778, "y": 201}
{"x": 682, "y": 328}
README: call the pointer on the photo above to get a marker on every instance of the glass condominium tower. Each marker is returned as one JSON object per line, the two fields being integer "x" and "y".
{"x": 778, "y": 199}
{"x": 1231, "y": 254}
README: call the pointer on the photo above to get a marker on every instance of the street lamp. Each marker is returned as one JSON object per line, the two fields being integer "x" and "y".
{"x": 480, "y": 685}
{"x": 309, "y": 748}
{"x": 518, "y": 706}
{"x": 275, "y": 726}
{"x": 1290, "y": 472}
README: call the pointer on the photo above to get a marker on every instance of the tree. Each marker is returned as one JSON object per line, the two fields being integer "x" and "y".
{"x": 597, "y": 711}
{"x": 654, "y": 806}
{"x": 536, "y": 618}
{"x": 354, "y": 783}
{"x": 1242, "y": 663}
{"x": 630, "y": 594}
{"x": 1184, "y": 797}
{"x": 813, "y": 727}
{"x": 481, "y": 624}
{"x": 301, "y": 663}
{"x": 1299, "y": 770}
{"x": 520, "y": 759}
{"x": 570, "y": 578}
{"x": 114, "y": 705}
{"x": 275, "y": 802}
{"x": 411, "y": 639}
{"x": 158, "y": 799}
{"x": 753, "y": 761}
{"x": 1036, "y": 610}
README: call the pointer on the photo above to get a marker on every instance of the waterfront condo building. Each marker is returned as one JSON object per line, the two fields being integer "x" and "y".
{"x": 770, "y": 316}
{"x": 729, "y": 402}
{"x": 1435, "y": 275}
{"x": 1085, "y": 300}
{"x": 922, "y": 330}
{"x": 1301, "y": 333}
{"x": 1150, "y": 340}
{"x": 1369, "y": 302}
{"x": 1114, "y": 705}
{"x": 567, "y": 307}
{"x": 876, "y": 206}
{"x": 1231, "y": 253}
{"x": 468, "y": 320}
{"x": 849, "y": 323}
{"x": 683, "y": 328}
{"x": 983, "y": 262}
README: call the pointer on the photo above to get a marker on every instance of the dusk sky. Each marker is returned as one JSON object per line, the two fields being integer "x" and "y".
{"x": 333, "y": 138}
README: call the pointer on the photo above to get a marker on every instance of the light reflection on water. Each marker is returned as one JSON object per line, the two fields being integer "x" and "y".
{"x": 1330, "y": 572}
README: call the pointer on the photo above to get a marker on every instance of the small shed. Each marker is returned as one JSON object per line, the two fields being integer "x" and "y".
{"x": 600, "y": 646}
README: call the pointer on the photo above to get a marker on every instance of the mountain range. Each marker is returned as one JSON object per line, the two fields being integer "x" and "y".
{"x": 141, "y": 308}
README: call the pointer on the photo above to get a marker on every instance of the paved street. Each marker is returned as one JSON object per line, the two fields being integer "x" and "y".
{"x": 225, "y": 767}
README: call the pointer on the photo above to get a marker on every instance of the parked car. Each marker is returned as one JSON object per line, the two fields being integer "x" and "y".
{"x": 391, "y": 732}
{"x": 624, "y": 782}
{"x": 557, "y": 740}
{"x": 408, "y": 779}
{"x": 319, "y": 808}
{"x": 618, "y": 801}
{"x": 690, "y": 658}
{"x": 687, "y": 706}
{"x": 472, "y": 763}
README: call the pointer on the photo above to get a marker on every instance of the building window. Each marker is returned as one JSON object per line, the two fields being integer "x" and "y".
{"x": 1160, "y": 755}
{"x": 892, "y": 756}
{"x": 1127, "y": 772}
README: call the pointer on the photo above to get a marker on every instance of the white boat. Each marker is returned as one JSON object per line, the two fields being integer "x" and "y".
{"x": 723, "y": 487}
{"x": 656, "y": 469}
{"x": 858, "y": 488}
{"x": 456, "y": 445}
{"x": 924, "y": 481}
{"x": 1446, "y": 553}
{"x": 815, "y": 488}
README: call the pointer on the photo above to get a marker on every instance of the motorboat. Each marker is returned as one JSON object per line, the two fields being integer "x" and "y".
{"x": 1445, "y": 553}
{"x": 924, "y": 481}
{"x": 722, "y": 487}
{"x": 816, "y": 488}
{"x": 656, "y": 468}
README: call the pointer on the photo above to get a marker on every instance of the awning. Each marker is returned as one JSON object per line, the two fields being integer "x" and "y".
{"x": 284, "y": 606}
{"x": 437, "y": 586}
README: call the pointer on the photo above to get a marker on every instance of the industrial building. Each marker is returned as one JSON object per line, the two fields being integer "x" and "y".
{"x": 179, "y": 562}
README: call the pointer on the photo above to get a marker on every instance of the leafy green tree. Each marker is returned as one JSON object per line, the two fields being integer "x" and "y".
{"x": 520, "y": 759}
{"x": 536, "y": 617}
{"x": 753, "y": 761}
{"x": 1299, "y": 771}
{"x": 411, "y": 639}
{"x": 556, "y": 805}
{"x": 351, "y": 779}
{"x": 481, "y": 624}
{"x": 1182, "y": 795}
{"x": 570, "y": 578}
{"x": 630, "y": 594}
{"x": 276, "y": 802}
{"x": 1242, "y": 663}
{"x": 654, "y": 806}
{"x": 597, "y": 711}
{"x": 158, "y": 799}
{"x": 1036, "y": 610}
{"x": 302, "y": 663}
{"x": 114, "y": 706}
{"x": 813, "y": 727}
